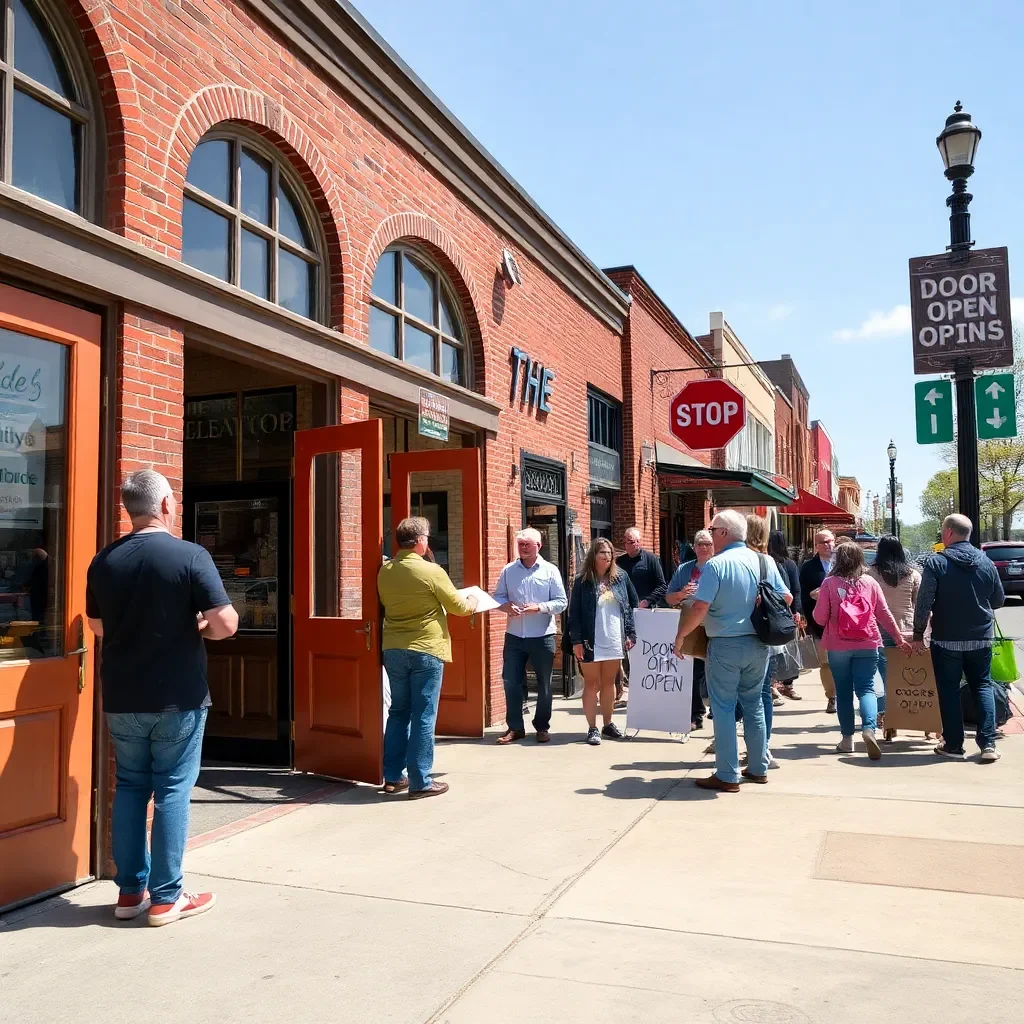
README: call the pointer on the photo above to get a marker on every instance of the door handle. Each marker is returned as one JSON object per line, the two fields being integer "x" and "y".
{"x": 80, "y": 652}
{"x": 368, "y": 630}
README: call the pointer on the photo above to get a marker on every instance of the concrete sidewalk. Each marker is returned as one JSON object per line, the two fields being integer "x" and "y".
{"x": 578, "y": 884}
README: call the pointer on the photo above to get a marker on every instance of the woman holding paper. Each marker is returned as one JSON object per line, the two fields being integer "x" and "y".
{"x": 601, "y": 630}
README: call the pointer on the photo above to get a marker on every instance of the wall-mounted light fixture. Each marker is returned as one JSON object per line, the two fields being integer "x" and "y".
{"x": 510, "y": 268}
{"x": 648, "y": 454}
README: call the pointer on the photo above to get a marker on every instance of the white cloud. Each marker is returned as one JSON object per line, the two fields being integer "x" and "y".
{"x": 880, "y": 324}
{"x": 1017, "y": 310}
{"x": 781, "y": 311}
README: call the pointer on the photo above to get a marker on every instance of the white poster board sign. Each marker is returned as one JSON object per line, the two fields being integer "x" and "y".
{"x": 660, "y": 684}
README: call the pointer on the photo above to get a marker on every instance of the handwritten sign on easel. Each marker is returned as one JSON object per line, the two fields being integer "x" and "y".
{"x": 911, "y": 697}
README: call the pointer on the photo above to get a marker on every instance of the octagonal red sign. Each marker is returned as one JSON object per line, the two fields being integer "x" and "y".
{"x": 707, "y": 414}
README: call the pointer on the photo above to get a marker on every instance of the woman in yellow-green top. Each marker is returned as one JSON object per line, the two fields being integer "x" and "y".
{"x": 416, "y": 594}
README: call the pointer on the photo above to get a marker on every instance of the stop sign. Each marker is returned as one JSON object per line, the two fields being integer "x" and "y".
{"x": 707, "y": 414}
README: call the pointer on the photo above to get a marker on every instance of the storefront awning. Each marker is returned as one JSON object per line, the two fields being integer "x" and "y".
{"x": 728, "y": 486}
{"x": 819, "y": 509}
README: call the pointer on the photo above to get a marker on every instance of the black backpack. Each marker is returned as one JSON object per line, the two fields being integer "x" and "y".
{"x": 771, "y": 618}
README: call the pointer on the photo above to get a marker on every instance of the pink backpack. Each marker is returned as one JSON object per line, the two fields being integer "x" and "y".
{"x": 853, "y": 620}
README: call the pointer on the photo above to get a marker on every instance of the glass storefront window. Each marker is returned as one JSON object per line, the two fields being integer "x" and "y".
{"x": 33, "y": 489}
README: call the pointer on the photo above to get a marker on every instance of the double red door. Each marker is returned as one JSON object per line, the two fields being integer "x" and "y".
{"x": 338, "y": 550}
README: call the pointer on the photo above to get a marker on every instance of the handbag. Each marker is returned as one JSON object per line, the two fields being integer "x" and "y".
{"x": 1004, "y": 659}
{"x": 786, "y": 663}
{"x": 808, "y": 652}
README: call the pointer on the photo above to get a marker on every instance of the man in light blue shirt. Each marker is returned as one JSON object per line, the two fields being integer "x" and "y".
{"x": 531, "y": 592}
{"x": 737, "y": 660}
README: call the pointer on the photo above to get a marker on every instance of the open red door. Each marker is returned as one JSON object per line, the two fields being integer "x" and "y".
{"x": 338, "y": 545}
{"x": 457, "y": 471}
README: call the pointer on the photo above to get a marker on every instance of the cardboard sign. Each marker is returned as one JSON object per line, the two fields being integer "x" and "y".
{"x": 660, "y": 684}
{"x": 695, "y": 644}
{"x": 911, "y": 698}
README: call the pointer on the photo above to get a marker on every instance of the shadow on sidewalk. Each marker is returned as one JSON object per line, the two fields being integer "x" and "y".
{"x": 60, "y": 912}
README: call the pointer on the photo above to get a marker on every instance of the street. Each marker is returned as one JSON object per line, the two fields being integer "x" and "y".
{"x": 576, "y": 883}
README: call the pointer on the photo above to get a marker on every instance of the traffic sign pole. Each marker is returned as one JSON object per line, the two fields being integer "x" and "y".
{"x": 995, "y": 398}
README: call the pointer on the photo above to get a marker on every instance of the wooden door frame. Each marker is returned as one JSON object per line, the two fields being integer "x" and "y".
{"x": 85, "y": 331}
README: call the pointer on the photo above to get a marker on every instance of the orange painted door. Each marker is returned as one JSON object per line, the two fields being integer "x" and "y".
{"x": 457, "y": 471}
{"x": 49, "y": 452}
{"x": 338, "y": 537}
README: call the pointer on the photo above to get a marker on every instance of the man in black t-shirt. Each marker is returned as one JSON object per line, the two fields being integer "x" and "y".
{"x": 153, "y": 599}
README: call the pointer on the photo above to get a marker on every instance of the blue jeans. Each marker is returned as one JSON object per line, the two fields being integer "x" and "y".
{"x": 883, "y": 665}
{"x": 949, "y": 666}
{"x": 539, "y": 651}
{"x": 854, "y": 672}
{"x": 157, "y": 756}
{"x": 766, "y": 703}
{"x": 409, "y": 736}
{"x": 736, "y": 669}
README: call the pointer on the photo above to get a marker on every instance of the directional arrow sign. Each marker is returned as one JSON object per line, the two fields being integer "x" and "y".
{"x": 995, "y": 397}
{"x": 933, "y": 401}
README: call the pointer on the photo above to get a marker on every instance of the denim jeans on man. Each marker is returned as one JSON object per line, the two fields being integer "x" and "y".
{"x": 854, "y": 672}
{"x": 735, "y": 670}
{"x": 409, "y": 736}
{"x": 766, "y": 702}
{"x": 157, "y": 756}
{"x": 950, "y": 666}
{"x": 538, "y": 651}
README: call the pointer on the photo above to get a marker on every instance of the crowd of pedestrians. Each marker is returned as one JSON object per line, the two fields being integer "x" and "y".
{"x": 154, "y": 599}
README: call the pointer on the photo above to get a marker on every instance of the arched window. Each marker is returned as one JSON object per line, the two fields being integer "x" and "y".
{"x": 414, "y": 315}
{"x": 244, "y": 223}
{"x": 44, "y": 114}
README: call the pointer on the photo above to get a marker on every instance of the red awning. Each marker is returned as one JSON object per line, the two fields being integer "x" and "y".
{"x": 822, "y": 511}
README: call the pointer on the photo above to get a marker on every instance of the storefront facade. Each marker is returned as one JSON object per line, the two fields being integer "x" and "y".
{"x": 244, "y": 245}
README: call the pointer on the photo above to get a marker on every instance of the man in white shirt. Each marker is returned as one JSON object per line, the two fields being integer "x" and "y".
{"x": 530, "y": 591}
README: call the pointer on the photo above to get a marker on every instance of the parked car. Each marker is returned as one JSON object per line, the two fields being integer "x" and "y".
{"x": 1008, "y": 558}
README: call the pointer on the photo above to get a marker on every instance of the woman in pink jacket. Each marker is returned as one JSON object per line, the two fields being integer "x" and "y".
{"x": 849, "y": 608}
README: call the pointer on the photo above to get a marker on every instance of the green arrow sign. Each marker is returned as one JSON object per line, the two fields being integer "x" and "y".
{"x": 933, "y": 402}
{"x": 996, "y": 400}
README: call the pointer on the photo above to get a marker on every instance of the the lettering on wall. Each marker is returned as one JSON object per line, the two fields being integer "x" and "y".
{"x": 537, "y": 382}
{"x": 31, "y": 410}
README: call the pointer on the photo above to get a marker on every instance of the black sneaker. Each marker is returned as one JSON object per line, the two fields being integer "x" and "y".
{"x": 593, "y": 736}
{"x": 611, "y": 730}
{"x": 830, "y": 708}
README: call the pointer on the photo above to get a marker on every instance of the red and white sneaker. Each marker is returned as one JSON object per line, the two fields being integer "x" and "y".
{"x": 131, "y": 905}
{"x": 188, "y": 904}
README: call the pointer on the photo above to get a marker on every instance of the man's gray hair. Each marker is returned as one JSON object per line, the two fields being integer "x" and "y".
{"x": 733, "y": 523}
{"x": 703, "y": 537}
{"x": 958, "y": 525}
{"x": 143, "y": 492}
{"x": 409, "y": 531}
{"x": 530, "y": 534}
{"x": 634, "y": 532}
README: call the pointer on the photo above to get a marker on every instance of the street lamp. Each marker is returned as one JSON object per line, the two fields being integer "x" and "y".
{"x": 958, "y": 144}
{"x": 891, "y": 452}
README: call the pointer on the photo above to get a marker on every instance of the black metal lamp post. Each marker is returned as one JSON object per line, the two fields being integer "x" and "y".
{"x": 958, "y": 144}
{"x": 891, "y": 451}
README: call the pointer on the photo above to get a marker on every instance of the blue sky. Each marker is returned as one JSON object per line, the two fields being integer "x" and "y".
{"x": 775, "y": 161}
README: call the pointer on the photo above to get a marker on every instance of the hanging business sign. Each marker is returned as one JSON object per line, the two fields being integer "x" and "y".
{"x": 435, "y": 416}
{"x": 960, "y": 308}
{"x": 26, "y": 403}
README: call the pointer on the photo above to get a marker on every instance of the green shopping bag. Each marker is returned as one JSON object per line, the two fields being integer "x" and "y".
{"x": 1004, "y": 659}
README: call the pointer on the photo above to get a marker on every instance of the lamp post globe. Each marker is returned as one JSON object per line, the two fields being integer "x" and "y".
{"x": 891, "y": 452}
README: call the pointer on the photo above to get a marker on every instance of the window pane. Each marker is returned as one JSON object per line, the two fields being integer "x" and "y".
{"x": 419, "y": 291}
{"x": 385, "y": 280}
{"x": 35, "y": 53}
{"x": 419, "y": 348}
{"x": 33, "y": 451}
{"x": 449, "y": 323}
{"x": 255, "y": 187}
{"x": 296, "y": 283}
{"x": 210, "y": 169}
{"x": 211, "y": 440}
{"x": 290, "y": 222}
{"x": 383, "y": 331}
{"x": 451, "y": 363}
{"x": 205, "y": 240}
{"x": 255, "y": 276}
{"x": 46, "y": 152}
